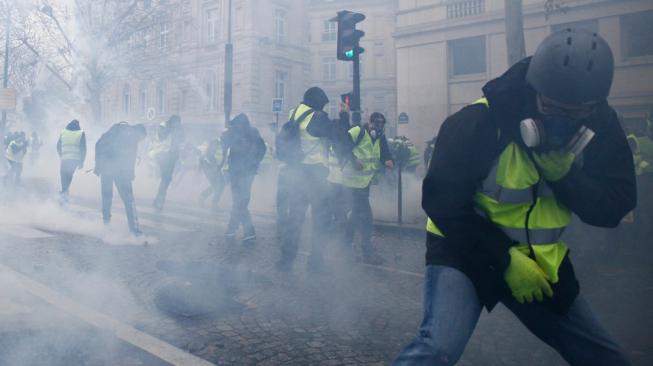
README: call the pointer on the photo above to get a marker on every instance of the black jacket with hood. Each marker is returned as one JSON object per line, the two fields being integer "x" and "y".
{"x": 600, "y": 193}
{"x": 74, "y": 126}
{"x": 245, "y": 145}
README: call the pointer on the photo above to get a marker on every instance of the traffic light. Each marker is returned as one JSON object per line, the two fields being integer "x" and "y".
{"x": 347, "y": 98}
{"x": 348, "y": 35}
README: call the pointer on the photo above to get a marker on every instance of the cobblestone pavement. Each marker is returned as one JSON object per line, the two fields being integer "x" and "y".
{"x": 225, "y": 302}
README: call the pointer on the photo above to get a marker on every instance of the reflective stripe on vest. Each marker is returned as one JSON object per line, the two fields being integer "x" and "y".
{"x": 17, "y": 157}
{"x": 367, "y": 152}
{"x": 314, "y": 148}
{"x": 71, "y": 144}
{"x": 159, "y": 147}
{"x": 506, "y": 196}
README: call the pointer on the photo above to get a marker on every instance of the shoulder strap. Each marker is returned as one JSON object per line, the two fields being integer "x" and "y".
{"x": 359, "y": 138}
{"x": 303, "y": 115}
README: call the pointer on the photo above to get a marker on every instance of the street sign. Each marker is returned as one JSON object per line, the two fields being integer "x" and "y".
{"x": 7, "y": 98}
{"x": 403, "y": 118}
{"x": 277, "y": 105}
{"x": 151, "y": 113}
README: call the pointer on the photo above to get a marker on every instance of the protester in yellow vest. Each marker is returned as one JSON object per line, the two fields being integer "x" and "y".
{"x": 305, "y": 184}
{"x": 509, "y": 172}
{"x": 15, "y": 153}
{"x": 71, "y": 148}
{"x": 368, "y": 153}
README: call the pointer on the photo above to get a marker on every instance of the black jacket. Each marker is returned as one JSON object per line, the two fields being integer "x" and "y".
{"x": 245, "y": 146}
{"x": 117, "y": 149}
{"x": 600, "y": 192}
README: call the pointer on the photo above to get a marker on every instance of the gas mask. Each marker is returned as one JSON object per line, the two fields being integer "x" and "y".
{"x": 555, "y": 132}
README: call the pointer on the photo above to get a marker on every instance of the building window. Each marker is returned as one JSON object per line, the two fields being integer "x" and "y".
{"x": 186, "y": 30}
{"x": 212, "y": 25}
{"x": 467, "y": 56}
{"x": 126, "y": 100}
{"x": 280, "y": 80}
{"x": 637, "y": 34}
{"x": 329, "y": 68}
{"x": 280, "y": 26}
{"x": 210, "y": 92}
{"x": 164, "y": 35}
{"x": 464, "y": 8}
{"x": 161, "y": 100}
{"x": 183, "y": 100}
{"x": 330, "y": 31}
{"x": 143, "y": 97}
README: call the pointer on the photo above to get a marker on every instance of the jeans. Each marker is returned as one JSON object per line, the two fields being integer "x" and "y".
{"x": 167, "y": 168}
{"x": 452, "y": 309}
{"x": 66, "y": 172}
{"x": 124, "y": 186}
{"x": 241, "y": 190}
{"x": 360, "y": 220}
{"x": 308, "y": 187}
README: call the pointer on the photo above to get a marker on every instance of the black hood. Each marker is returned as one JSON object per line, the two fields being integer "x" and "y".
{"x": 240, "y": 120}
{"x": 315, "y": 98}
{"x": 73, "y": 125}
{"x": 511, "y": 99}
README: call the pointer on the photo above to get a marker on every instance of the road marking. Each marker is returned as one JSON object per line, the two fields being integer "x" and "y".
{"x": 127, "y": 333}
{"x": 24, "y": 232}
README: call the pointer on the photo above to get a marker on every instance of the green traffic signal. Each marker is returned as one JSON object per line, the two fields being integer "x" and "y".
{"x": 349, "y": 54}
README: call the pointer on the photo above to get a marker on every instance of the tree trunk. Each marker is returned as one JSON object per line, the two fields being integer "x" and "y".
{"x": 514, "y": 31}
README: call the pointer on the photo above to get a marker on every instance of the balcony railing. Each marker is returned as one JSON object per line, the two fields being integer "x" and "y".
{"x": 465, "y": 8}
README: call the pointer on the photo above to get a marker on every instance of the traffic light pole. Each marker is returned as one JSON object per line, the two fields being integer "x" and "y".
{"x": 228, "y": 71}
{"x": 356, "y": 97}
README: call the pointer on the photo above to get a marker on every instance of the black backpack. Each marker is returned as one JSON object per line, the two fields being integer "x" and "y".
{"x": 288, "y": 144}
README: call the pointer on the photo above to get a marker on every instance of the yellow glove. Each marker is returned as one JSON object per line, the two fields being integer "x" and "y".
{"x": 554, "y": 164}
{"x": 525, "y": 278}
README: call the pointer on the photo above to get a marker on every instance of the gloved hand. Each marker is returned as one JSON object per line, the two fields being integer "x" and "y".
{"x": 554, "y": 164}
{"x": 525, "y": 278}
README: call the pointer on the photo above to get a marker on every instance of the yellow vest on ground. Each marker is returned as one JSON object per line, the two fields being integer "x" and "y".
{"x": 314, "y": 148}
{"x": 71, "y": 144}
{"x": 506, "y": 197}
{"x": 369, "y": 153}
{"x": 15, "y": 157}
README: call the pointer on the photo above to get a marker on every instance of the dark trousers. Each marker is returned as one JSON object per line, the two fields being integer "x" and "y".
{"x": 124, "y": 186}
{"x": 360, "y": 219}
{"x": 14, "y": 173}
{"x": 339, "y": 206}
{"x": 241, "y": 190}
{"x": 307, "y": 187}
{"x": 284, "y": 190}
{"x": 66, "y": 171}
{"x": 167, "y": 168}
{"x": 216, "y": 184}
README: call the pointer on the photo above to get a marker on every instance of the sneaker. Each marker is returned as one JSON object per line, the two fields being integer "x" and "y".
{"x": 249, "y": 238}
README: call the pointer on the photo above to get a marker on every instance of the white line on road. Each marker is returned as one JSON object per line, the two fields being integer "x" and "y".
{"x": 24, "y": 232}
{"x": 127, "y": 333}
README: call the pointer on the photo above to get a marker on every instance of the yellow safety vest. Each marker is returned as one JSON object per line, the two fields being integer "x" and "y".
{"x": 643, "y": 154}
{"x": 505, "y": 198}
{"x": 314, "y": 148}
{"x": 160, "y": 146}
{"x": 369, "y": 153}
{"x": 335, "y": 169}
{"x": 71, "y": 144}
{"x": 15, "y": 157}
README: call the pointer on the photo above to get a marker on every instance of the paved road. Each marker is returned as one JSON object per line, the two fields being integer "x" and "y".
{"x": 187, "y": 287}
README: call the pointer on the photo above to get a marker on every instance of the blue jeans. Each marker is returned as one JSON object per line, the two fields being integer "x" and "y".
{"x": 452, "y": 309}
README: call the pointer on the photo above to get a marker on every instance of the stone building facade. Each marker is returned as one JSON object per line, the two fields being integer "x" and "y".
{"x": 448, "y": 49}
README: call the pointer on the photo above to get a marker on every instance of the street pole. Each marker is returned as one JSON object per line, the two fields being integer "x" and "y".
{"x": 5, "y": 82}
{"x": 228, "y": 70}
{"x": 356, "y": 97}
{"x": 400, "y": 194}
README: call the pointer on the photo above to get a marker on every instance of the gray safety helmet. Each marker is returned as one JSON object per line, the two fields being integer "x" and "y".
{"x": 573, "y": 66}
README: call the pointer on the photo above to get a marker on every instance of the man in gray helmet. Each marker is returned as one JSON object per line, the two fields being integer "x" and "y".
{"x": 502, "y": 188}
